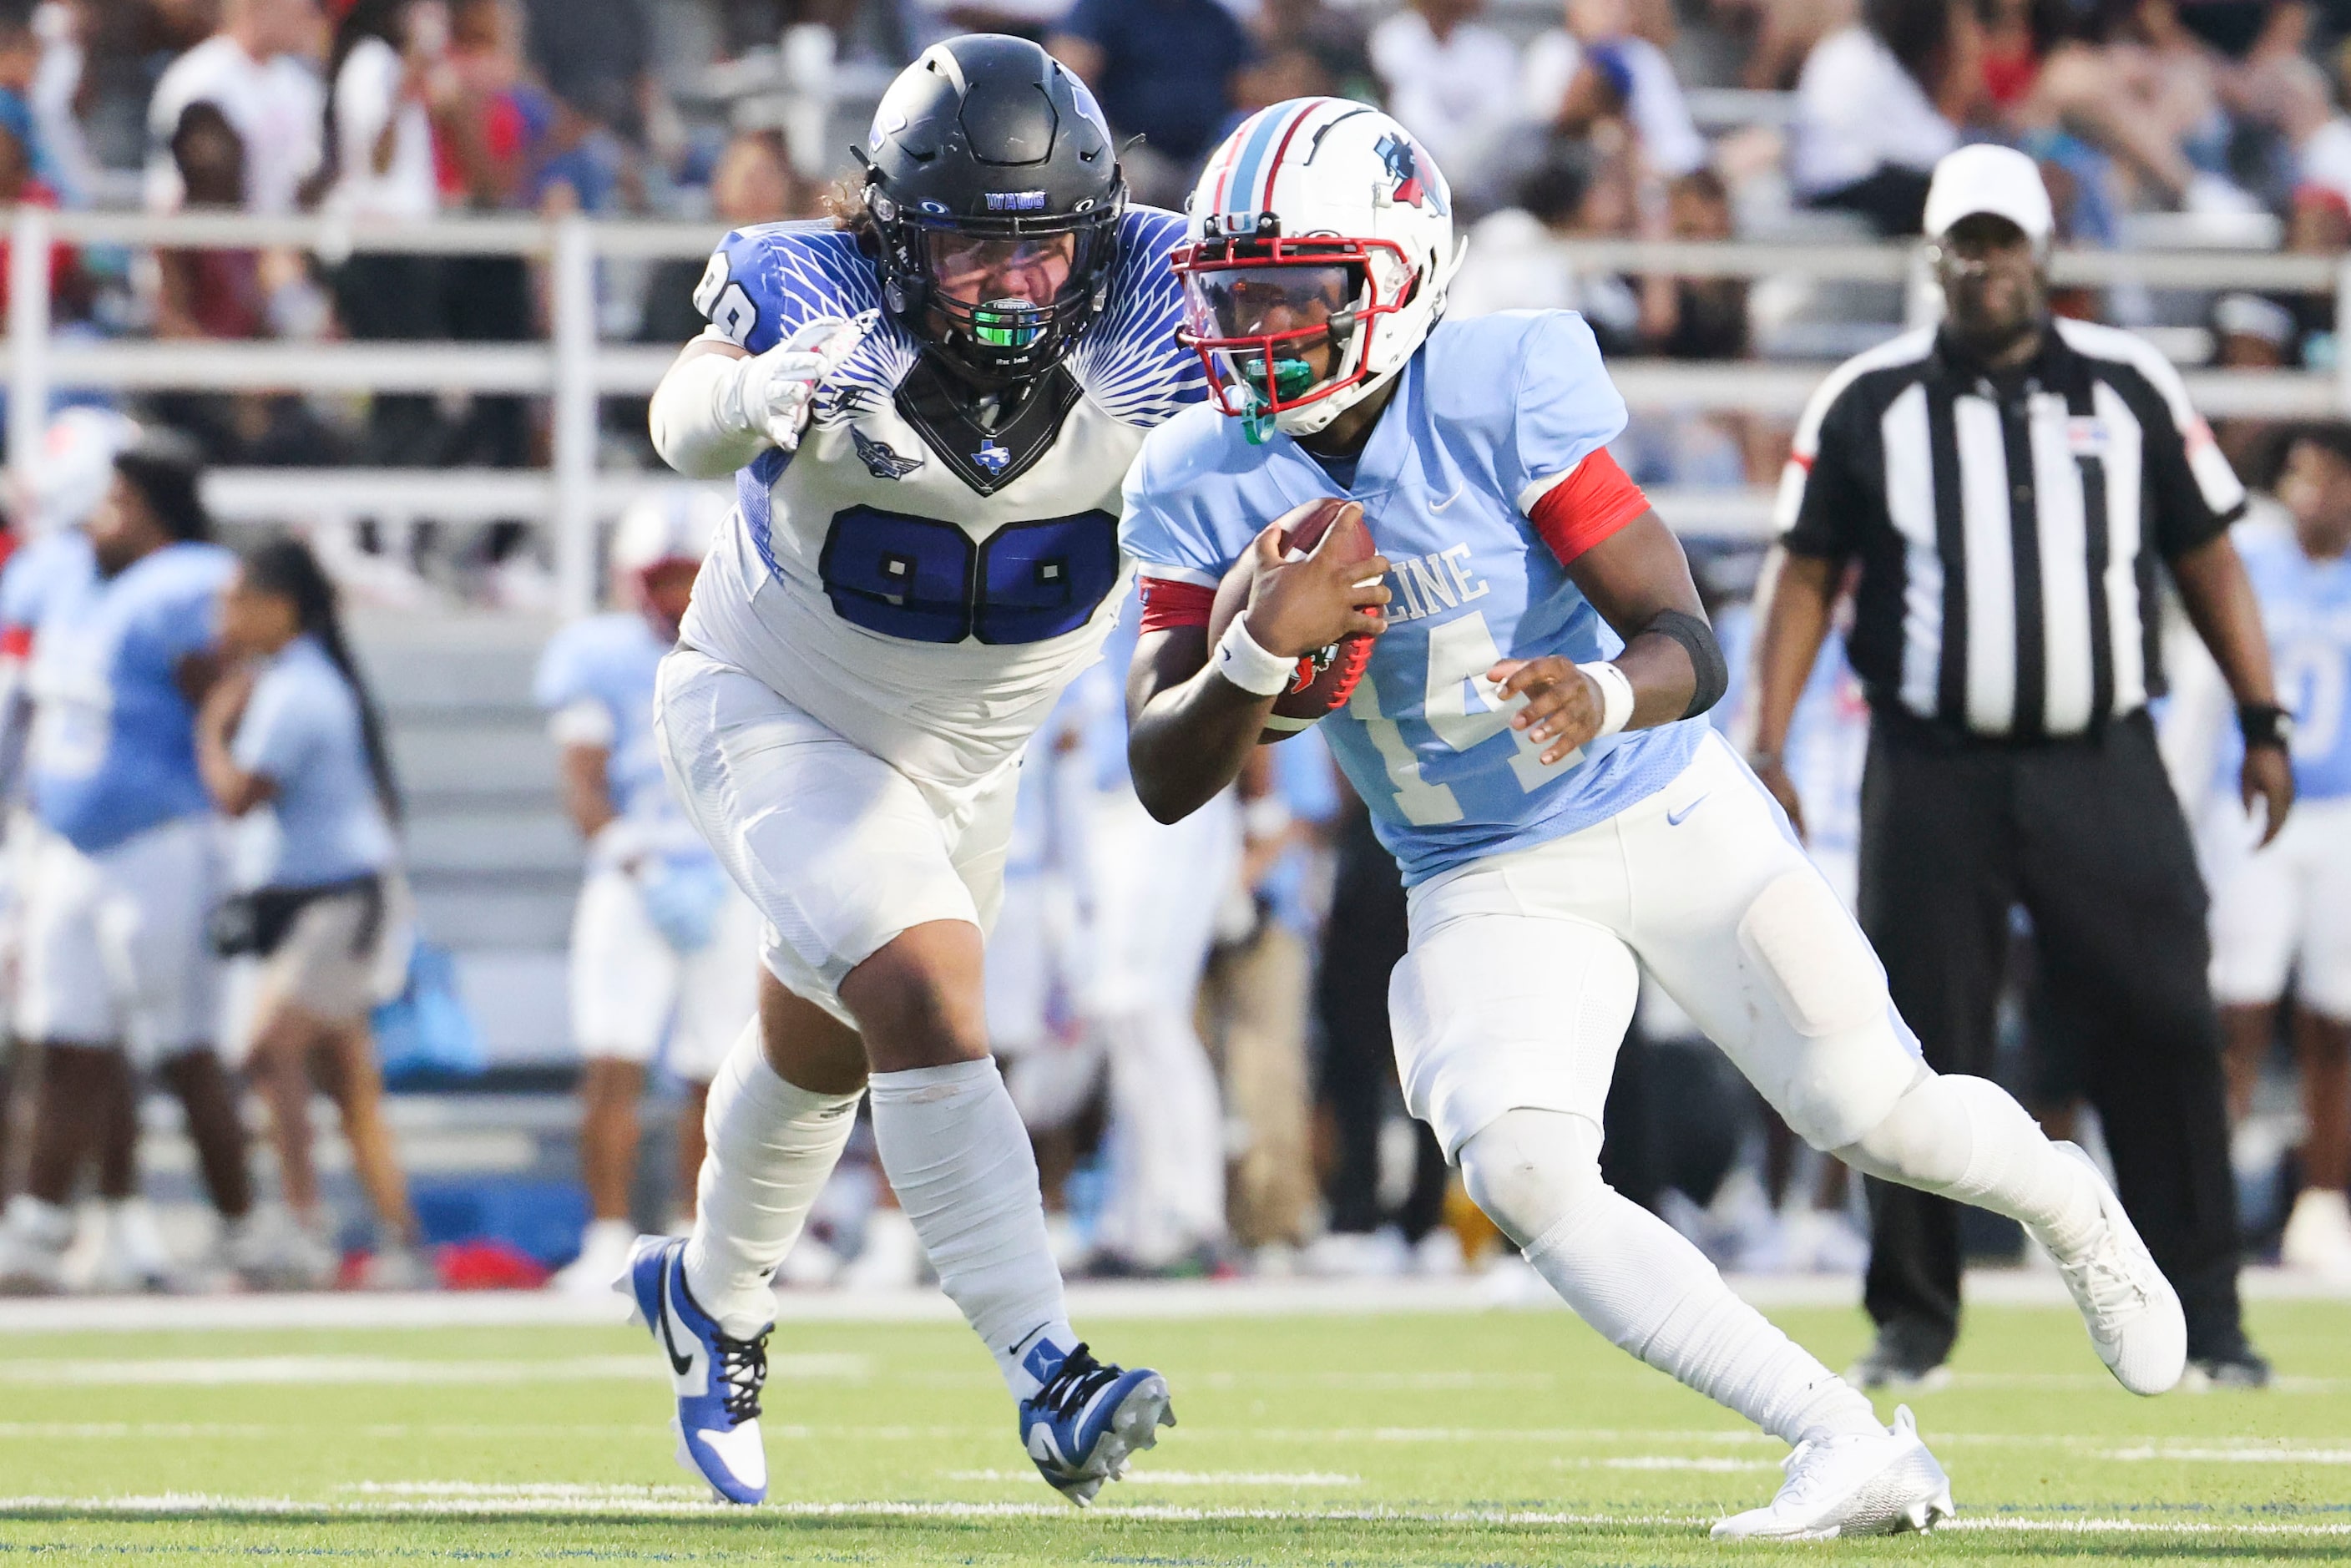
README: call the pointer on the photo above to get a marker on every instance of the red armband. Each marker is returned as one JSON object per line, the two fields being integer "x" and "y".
{"x": 1590, "y": 502}
{"x": 1167, "y": 603}
{"x": 15, "y": 642}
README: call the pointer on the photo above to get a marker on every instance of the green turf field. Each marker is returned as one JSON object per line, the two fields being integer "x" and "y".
{"x": 1504, "y": 1437}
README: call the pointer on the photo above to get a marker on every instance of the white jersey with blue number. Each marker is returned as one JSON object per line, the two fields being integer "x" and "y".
{"x": 930, "y": 605}
{"x": 2306, "y": 610}
{"x": 1483, "y": 414}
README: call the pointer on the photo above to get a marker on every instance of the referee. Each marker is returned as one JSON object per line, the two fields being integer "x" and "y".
{"x": 2003, "y": 489}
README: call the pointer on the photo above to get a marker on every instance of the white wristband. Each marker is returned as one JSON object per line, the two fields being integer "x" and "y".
{"x": 1240, "y": 660}
{"x": 1616, "y": 696}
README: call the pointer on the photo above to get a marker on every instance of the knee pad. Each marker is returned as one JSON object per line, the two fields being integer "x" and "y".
{"x": 1816, "y": 962}
{"x": 1530, "y": 1169}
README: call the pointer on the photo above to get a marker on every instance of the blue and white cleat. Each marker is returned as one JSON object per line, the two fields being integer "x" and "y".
{"x": 716, "y": 1377}
{"x": 1082, "y": 1426}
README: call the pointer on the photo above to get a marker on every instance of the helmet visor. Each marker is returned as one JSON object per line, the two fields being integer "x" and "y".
{"x": 1233, "y": 302}
{"x": 1273, "y": 334}
{"x": 973, "y": 269}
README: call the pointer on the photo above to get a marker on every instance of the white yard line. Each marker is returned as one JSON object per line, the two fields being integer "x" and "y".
{"x": 590, "y": 1501}
{"x": 1103, "y": 1300}
{"x": 212, "y": 1370}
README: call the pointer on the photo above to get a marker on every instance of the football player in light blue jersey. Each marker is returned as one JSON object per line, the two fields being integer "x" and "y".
{"x": 75, "y": 469}
{"x": 117, "y": 974}
{"x": 665, "y": 950}
{"x": 927, "y": 407}
{"x": 1525, "y": 733}
{"x": 2285, "y": 906}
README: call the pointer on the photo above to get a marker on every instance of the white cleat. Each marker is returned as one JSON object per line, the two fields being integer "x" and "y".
{"x": 32, "y": 1240}
{"x": 1871, "y": 1483}
{"x": 2317, "y": 1238}
{"x": 2130, "y": 1309}
{"x": 271, "y": 1249}
{"x": 604, "y": 1249}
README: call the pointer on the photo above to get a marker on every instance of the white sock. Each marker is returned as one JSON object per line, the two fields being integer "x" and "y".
{"x": 772, "y": 1145}
{"x": 953, "y": 1148}
{"x": 1966, "y": 1139}
{"x": 1642, "y": 1285}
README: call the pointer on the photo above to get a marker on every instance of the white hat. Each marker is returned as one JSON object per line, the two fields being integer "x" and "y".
{"x": 673, "y": 523}
{"x": 1986, "y": 179}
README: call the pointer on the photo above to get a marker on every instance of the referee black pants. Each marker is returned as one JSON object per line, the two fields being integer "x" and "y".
{"x": 2088, "y": 837}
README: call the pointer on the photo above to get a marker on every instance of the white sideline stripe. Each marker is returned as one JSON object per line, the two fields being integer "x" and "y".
{"x": 623, "y": 1500}
{"x": 1183, "y": 1478}
{"x": 2247, "y": 1456}
{"x": 1712, "y": 1462}
{"x": 331, "y": 1369}
{"x": 564, "y": 1491}
{"x": 1105, "y": 1300}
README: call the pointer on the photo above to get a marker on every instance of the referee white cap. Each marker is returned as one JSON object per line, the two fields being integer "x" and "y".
{"x": 1983, "y": 178}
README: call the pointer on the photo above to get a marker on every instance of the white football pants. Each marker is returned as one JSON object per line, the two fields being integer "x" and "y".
{"x": 1524, "y": 967}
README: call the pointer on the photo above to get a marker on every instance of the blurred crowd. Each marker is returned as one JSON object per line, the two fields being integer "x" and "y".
{"x": 2168, "y": 122}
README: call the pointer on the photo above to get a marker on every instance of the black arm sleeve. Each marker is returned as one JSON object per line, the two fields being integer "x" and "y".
{"x": 1697, "y": 641}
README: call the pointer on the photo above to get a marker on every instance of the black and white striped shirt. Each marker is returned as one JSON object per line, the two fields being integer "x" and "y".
{"x": 2008, "y": 528}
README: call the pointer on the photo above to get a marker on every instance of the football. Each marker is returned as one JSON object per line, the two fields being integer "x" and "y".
{"x": 1326, "y": 678}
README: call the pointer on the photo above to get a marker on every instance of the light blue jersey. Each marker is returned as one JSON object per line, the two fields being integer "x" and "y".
{"x": 2306, "y": 608}
{"x": 113, "y": 750}
{"x": 38, "y": 576}
{"x": 596, "y": 679}
{"x": 1485, "y": 412}
{"x": 301, "y": 731}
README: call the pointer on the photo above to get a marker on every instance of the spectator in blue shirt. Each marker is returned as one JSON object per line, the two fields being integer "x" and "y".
{"x": 1165, "y": 70}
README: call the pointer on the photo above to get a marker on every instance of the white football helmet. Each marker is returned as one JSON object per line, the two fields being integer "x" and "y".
{"x": 76, "y": 468}
{"x": 672, "y": 523}
{"x": 1320, "y": 230}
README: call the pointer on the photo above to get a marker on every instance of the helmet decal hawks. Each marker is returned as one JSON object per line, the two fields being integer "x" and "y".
{"x": 1405, "y": 162}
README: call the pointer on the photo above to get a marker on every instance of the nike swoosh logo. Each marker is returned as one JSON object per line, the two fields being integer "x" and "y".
{"x": 681, "y": 1364}
{"x": 1440, "y": 506}
{"x": 1675, "y": 819}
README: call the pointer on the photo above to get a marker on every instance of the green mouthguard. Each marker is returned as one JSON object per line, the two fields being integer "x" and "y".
{"x": 1291, "y": 377}
{"x": 999, "y": 327}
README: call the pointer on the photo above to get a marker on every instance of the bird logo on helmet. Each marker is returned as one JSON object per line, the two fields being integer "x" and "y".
{"x": 1321, "y": 247}
{"x": 988, "y": 159}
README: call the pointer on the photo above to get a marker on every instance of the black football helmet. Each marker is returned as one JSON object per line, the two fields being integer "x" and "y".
{"x": 985, "y": 154}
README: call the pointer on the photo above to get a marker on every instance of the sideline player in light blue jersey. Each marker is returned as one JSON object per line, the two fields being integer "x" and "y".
{"x": 117, "y": 974}
{"x": 928, "y": 409}
{"x": 664, "y": 949}
{"x": 2285, "y": 906}
{"x": 1524, "y": 736}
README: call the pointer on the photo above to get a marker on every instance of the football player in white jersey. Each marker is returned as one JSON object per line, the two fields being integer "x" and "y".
{"x": 932, "y": 405}
{"x": 1523, "y": 734}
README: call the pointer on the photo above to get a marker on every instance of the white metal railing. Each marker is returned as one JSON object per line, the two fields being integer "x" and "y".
{"x": 574, "y": 369}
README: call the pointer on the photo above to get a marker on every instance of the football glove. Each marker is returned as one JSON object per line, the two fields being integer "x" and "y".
{"x": 774, "y": 393}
